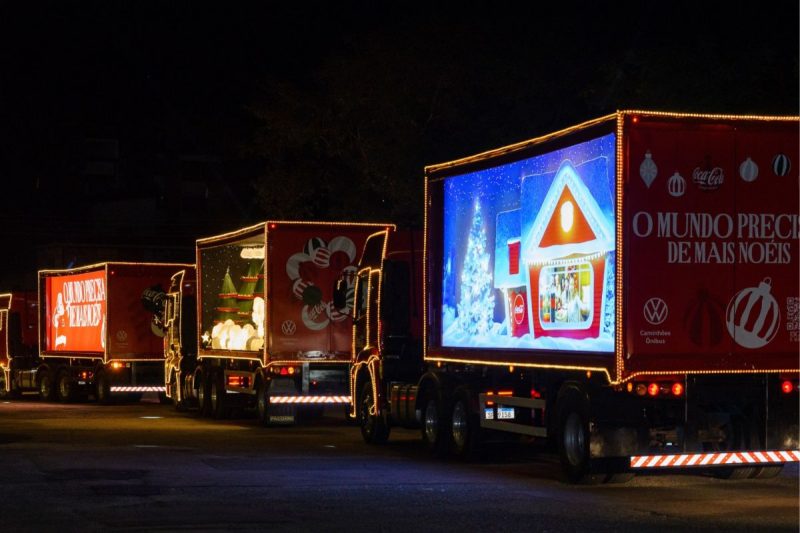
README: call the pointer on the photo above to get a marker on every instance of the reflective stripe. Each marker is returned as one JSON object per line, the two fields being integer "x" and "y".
{"x": 715, "y": 459}
{"x": 138, "y": 389}
{"x": 309, "y": 399}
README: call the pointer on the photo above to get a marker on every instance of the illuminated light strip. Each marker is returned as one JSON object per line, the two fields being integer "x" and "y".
{"x": 138, "y": 389}
{"x": 521, "y": 365}
{"x": 672, "y": 114}
{"x": 690, "y": 371}
{"x": 309, "y": 399}
{"x": 715, "y": 459}
{"x": 619, "y": 263}
{"x": 505, "y": 150}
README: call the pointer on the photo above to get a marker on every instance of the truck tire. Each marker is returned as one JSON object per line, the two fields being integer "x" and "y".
{"x": 203, "y": 393}
{"x": 435, "y": 427}
{"x": 65, "y": 387}
{"x": 742, "y": 436}
{"x": 374, "y": 429}
{"x": 465, "y": 430}
{"x": 572, "y": 415}
{"x": 102, "y": 388}
{"x": 217, "y": 398}
{"x": 46, "y": 389}
{"x": 262, "y": 403}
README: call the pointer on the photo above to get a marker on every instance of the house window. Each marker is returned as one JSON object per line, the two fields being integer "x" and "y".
{"x": 566, "y": 296}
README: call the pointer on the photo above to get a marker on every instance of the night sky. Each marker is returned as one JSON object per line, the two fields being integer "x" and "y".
{"x": 129, "y": 129}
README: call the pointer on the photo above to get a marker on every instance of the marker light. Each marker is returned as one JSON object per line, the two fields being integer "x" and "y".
{"x": 677, "y": 389}
{"x": 787, "y": 387}
{"x": 641, "y": 389}
{"x": 652, "y": 389}
{"x": 116, "y": 365}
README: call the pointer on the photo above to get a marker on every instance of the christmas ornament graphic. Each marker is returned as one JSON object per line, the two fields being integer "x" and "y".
{"x": 748, "y": 170}
{"x": 305, "y": 267}
{"x": 676, "y": 185}
{"x": 648, "y": 169}
{"x": 753, "y": 316}
{"x": 781, "y": 164}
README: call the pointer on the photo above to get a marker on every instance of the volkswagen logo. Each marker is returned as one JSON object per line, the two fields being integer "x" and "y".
{"x": 655, "y": 311}
{"x": 288, "y": 327}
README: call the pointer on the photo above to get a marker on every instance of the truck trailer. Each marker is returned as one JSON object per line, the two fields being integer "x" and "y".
{"x": 19, "y": 349}
{"x": 268, "y": 335}
{"x": 624, "y": 290}
{"x": 97, "y": 333}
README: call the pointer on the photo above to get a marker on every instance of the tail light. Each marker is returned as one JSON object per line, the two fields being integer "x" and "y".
{"x": 787, "y": 387}
{"x": 677, "y": 389}
{"x": 653, "y": 389}
{"x": 116, "y": 365}
{"x": 238, "y": 381}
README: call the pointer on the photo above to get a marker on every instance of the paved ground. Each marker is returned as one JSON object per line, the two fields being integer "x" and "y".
{"x": 144, "y": 467}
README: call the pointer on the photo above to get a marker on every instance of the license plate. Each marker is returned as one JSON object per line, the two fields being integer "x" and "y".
{"x": 505, "y": 413}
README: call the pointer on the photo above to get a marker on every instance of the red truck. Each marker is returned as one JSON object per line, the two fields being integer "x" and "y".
{"x": 268, "y": 334}
{"x": 19, "y": 351}
{"x": 97, "y": 335}
{"x": 626, "y": 289}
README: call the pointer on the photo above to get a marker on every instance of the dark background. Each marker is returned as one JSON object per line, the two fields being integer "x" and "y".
{"x": 129, "y": 129}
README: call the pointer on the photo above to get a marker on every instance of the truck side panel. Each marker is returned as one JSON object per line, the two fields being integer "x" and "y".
{"x": 131, "y": 334}
{"x": 304, "y": 263}
{"x": 711, "y": 245}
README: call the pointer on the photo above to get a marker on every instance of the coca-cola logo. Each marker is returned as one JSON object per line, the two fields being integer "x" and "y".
{"x": 708, "y": 180}
{"x": 519, "y": 309}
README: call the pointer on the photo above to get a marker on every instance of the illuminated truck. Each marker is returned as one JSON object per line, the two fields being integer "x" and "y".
{"x": 97, "y": 335}
{"x": 626, "y": 289}
{"x": 19, "y": 351}
{"x": 268, "y": 334}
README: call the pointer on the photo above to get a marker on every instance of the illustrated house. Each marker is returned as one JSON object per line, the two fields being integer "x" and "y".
{"x": 565, "y": 253}
{"x": 509, "y": 274}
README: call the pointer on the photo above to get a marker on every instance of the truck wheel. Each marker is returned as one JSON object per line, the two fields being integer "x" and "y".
{"x": 738, "y": 439}
{"x": 374, "y": 429}
{"x": 435, "y": 424}
{"x": 217, "y": 399}
{"x": 203, "y": 393}
{"x": 262, "y": 403}
{"x": 465, "y": 428}
{"x": 102, "y": 388}
{"x": 572, "y": 414}
{"x": 65, "y": 387}
{"x": 46, "y": 390}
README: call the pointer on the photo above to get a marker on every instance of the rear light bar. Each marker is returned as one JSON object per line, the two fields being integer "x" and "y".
{"x": 284, "y": 370}
{"x": 655, "y": 389}
{"x": 309, "y": 399}
{"x": 715, "y": 459}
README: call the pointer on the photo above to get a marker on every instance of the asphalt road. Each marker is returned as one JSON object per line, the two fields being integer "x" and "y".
{"x": 145, "y": 467}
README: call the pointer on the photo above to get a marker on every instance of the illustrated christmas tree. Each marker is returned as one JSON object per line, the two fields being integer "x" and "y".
{"x": 246, "y": 293}
{"x": 227, "y": 309}
{"x": 476, "y": 306}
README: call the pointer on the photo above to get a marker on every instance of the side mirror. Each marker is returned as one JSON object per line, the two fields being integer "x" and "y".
{"x": 340, "y": 293}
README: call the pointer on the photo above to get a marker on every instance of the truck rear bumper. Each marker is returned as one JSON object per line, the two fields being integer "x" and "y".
{"x": 712, "y": 459}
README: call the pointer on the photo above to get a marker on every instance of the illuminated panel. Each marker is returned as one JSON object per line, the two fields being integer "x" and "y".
{"x": 232, "y": 293}
{"x": 75, "y": 312}
{"x": 540, "y": 232}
